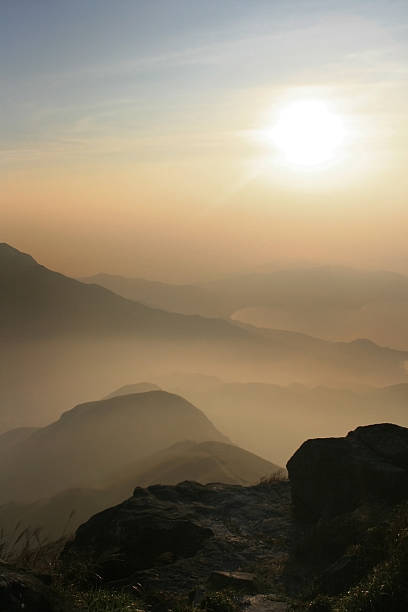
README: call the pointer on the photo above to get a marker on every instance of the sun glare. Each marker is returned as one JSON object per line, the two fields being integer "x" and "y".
{"x": 307, "y": 133}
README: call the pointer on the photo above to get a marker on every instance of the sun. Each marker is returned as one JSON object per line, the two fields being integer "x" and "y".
{"x": 307, "y": 133}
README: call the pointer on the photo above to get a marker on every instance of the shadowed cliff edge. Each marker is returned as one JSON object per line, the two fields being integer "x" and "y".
{"x": 321, "y": 547}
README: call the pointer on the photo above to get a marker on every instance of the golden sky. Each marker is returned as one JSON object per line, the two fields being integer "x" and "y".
{"x": 138, "y": 139}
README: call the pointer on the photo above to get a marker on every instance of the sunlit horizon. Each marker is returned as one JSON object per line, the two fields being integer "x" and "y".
{"x": 240, "y": 135}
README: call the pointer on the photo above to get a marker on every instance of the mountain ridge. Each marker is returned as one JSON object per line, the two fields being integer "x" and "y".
{"x": 98, "y": 438}
{"x": 55, "y": 329}
{"x": 334, "y": 302}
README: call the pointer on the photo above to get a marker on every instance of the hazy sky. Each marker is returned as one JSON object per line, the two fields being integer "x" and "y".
{"x": 135, "y": 134}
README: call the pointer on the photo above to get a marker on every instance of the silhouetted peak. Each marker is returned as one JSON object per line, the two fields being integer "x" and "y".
{"x": 9, "y": 256}
{"x": 363, "y": 342}
{"x": 142, "y": 387}
{"x": 133, "y": 400}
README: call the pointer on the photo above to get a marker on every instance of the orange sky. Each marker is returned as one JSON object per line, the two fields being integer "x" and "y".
{"x": 151, "y": 161}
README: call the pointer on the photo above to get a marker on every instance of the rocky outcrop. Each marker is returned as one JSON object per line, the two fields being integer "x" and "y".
{"x": 138, "y": 534}
{"x": 330, "y": 476}
{"x": 234, "y": 581}
{"x": 175, "y": 537}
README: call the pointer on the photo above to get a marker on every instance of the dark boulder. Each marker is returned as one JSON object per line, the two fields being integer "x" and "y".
{"x": 172, "y": 537}
{"x": 330, "y": 476}
{"x": 235, "y": 581}
{"x": 22, "y": 590}
{"x": 340, "y": 575}
{"x": 148, "y": 530}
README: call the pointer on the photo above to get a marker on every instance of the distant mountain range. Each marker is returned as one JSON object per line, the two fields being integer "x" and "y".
{"x": 331, "y": 302}
{"x": 210, "y": 461}
{"x": 39, "y": 304}
{"x": 203, "y": 462}
{"x": 254, "y": 414}
{"x": 60, "y": 338}
{"x": 63, "y": 341}
{"x": 272, "y": 420}
{"x": 56, "y": 477}
{"x": 96, "y": 439}
{"x": 185, "y": 299}
{"x": 142, "y": 387}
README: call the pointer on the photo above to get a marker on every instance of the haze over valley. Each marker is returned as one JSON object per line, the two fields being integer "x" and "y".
{"x": 203, "y": 306}
{"x": 101, "y": 340}
{"x": 262, "y": 390}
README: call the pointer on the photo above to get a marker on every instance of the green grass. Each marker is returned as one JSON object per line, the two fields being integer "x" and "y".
{"x": 101, "y": 600}
{"x": 381, "y": 557}
{"x": 220, "y": 601}
{"x": 76, "y": 585}
{"x": 279, "y": 475}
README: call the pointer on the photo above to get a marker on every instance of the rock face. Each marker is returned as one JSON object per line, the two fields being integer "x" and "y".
{"x": 174, "y": 537}
{"x": 331, "y": 476}
{"x": 203, "y": 462}
{"x": 20, "y": 590}
{"x": 239, "y": 581}
{"x": 130, "y": 537}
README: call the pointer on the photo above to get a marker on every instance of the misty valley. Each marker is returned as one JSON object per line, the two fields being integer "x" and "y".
{"x": 203, "y": 306}
{"x": 146, "y": 433}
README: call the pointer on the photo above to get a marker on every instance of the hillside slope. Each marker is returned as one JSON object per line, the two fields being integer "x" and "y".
{"x": 209, "y": 461}
{"x": 273, "y": 420}
{"x": 55, "y": 330}
{"x": 38, "y": 302}
{"x": 332, "y": 302}
{"x": 185, "y": 299}
{"x": 203, "y": 462}
{"x": 94, "y": 440}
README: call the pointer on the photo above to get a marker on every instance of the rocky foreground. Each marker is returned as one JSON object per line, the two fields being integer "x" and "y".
{"x": 333, "y": 539}
{"x": 333, "y": 476}
{"x": 175, "y": 537}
